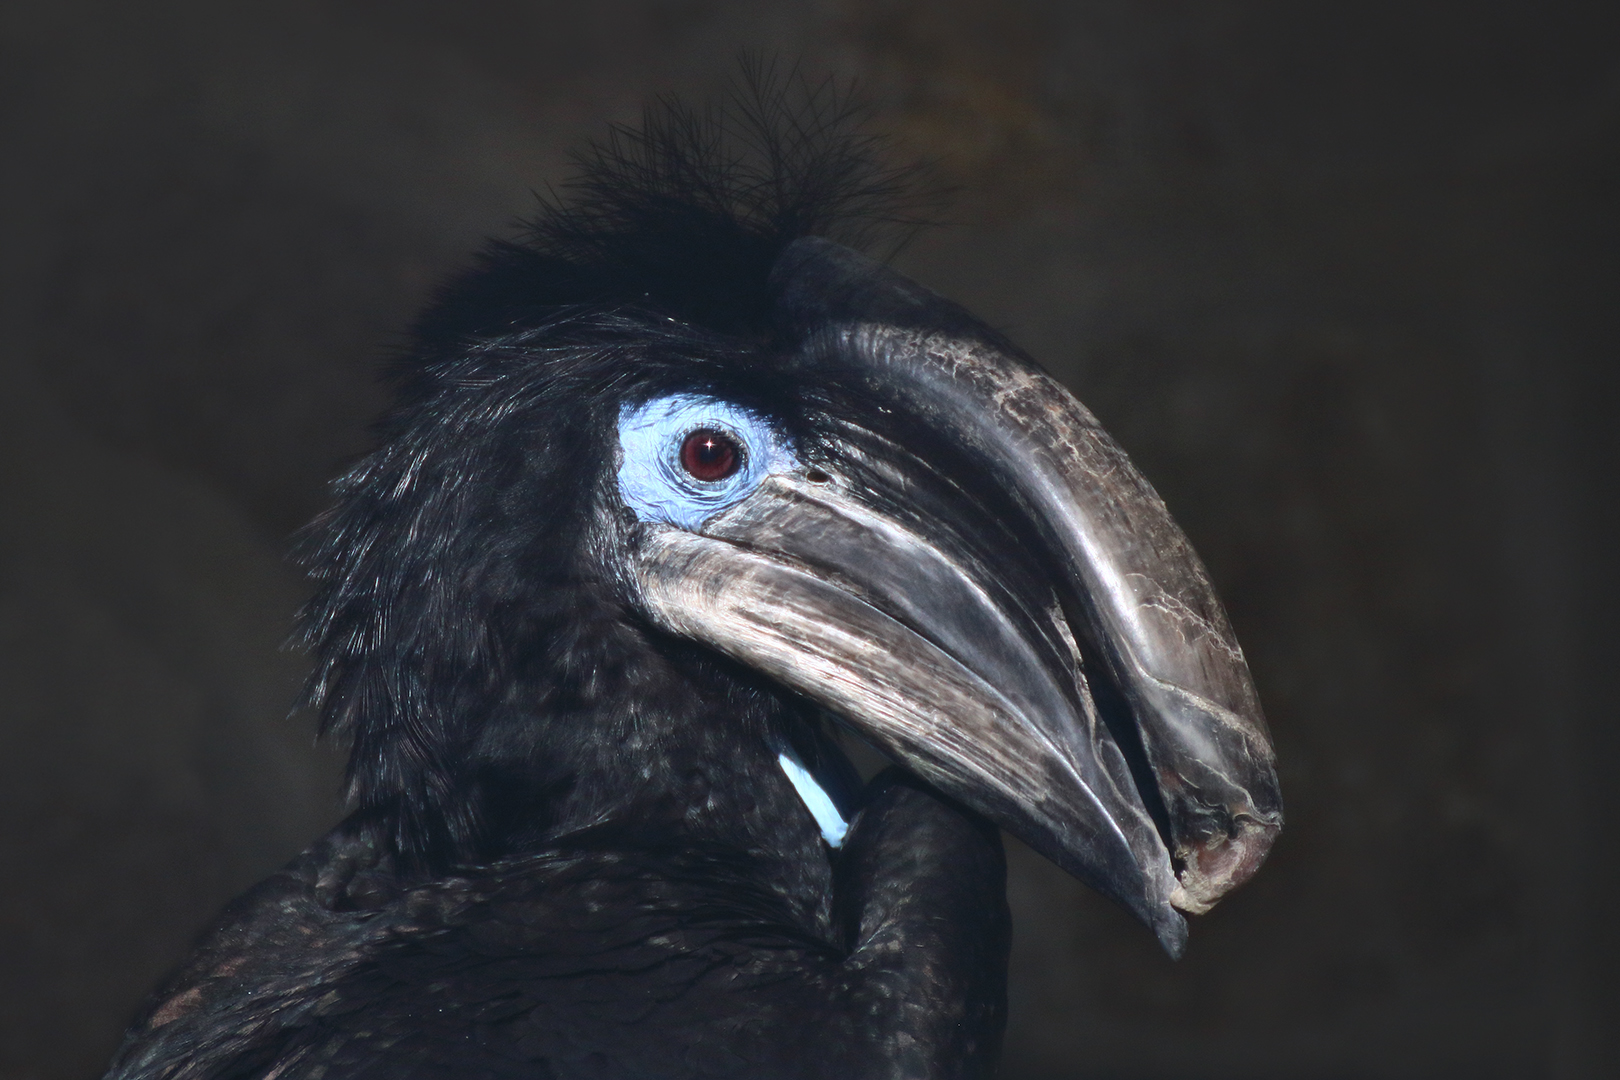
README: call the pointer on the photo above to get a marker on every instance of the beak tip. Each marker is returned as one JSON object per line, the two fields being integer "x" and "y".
{"x": 1216, "y": 866}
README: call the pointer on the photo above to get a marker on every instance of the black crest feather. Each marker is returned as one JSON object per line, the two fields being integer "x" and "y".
{"x": 451, "y": 593}
{"x": 686, "y": 213}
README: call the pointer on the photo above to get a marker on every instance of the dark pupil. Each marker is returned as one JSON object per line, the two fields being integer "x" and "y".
{"x": 710, "y": 455}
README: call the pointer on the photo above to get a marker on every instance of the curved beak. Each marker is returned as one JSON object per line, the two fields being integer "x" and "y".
{"x": 973, "y": 649}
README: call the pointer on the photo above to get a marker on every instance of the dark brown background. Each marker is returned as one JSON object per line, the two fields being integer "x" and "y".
{"x": 1338, "y": 274}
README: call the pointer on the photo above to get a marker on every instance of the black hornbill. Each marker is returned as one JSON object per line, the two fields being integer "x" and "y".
{"x": 676, "y": 489}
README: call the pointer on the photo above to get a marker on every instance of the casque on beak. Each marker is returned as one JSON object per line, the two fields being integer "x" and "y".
{"x": 894, "y": 597}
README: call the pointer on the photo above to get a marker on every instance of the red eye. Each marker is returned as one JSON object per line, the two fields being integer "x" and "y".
{"x": 710, "y": 455}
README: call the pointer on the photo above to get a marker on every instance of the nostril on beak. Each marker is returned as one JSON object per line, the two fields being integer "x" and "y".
{"x": 816, "y": 476}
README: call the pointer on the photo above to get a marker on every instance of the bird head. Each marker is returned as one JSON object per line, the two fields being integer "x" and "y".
{"x": 678, "y": 476}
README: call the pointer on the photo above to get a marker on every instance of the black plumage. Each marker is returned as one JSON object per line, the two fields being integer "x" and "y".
{"x": 575, "y": 850}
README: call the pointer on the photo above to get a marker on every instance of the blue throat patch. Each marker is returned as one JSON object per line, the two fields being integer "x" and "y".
{"x": 816, "y": 800}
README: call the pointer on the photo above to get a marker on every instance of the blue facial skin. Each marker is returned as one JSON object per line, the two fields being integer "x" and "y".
{"x": 651, "y": 480}
{"x": 653, "y": 484}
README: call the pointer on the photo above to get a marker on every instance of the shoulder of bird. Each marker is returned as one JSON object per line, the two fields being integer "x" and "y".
{"x": 597, "y": 960}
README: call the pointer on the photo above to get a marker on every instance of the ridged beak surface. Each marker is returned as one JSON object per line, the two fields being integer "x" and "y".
{"x": 971, "y": 648}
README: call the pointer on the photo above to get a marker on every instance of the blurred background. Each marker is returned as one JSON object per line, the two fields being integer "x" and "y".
{"x": 1341, "y": 276}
